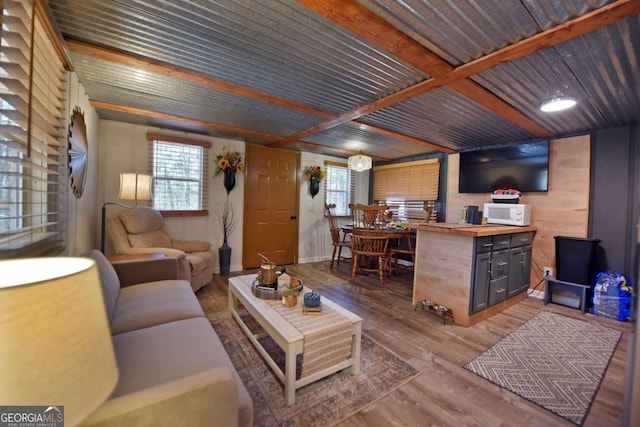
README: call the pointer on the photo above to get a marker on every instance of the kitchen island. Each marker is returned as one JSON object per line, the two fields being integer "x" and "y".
{"x": 476, "y": 271}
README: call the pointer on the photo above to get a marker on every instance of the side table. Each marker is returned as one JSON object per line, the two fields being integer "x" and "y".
{"x": 552, "y": 284}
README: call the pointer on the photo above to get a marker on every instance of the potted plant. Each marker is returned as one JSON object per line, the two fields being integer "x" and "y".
{"x": 314, "y": 174}
{"x": 227, "y": 223}
{"x": 229, "y": 162}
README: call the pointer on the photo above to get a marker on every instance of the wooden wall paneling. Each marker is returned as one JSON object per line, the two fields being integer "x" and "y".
{"x": 561, "y": 211}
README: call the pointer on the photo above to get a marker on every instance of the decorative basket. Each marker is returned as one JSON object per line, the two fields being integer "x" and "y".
{"x": 264, "y": 292}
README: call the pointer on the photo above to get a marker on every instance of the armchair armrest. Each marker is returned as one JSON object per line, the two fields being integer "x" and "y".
{"x": 168, "y": 252}
{"x": 206, "y": 398}
{"x": 146, "y": 270}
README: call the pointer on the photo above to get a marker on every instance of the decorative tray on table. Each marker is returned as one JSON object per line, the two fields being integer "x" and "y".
{"x": 270, "y": 292}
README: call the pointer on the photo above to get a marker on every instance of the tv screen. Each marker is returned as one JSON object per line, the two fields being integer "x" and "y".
{"x": 523, "y": 167}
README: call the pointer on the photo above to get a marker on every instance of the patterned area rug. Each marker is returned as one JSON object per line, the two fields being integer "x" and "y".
{"x": 552, "y": 360}
{"x": 322, "y": 403}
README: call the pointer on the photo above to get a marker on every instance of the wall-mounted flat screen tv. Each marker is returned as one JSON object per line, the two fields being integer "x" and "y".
{"x": 523, "y": 167}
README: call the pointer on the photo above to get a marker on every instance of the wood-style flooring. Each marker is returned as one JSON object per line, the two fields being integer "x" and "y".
{"x": 445, "y": 394}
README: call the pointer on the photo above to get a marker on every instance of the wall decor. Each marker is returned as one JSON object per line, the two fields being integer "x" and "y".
{"x": 78, "y": 150}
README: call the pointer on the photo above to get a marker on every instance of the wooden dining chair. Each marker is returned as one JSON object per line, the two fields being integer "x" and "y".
{"x": 338, "y": 239}
{"x": 368, "y": 216}
{"x": 407, "y": 247}
{"x": 369, "y": 246}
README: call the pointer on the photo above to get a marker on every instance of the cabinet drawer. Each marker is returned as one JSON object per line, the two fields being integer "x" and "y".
{"x": 497, "y": 291}
{"x": 521, "y": 239}
{"x": 484, "y": 244}
{"x": 499, "y": 264}
{"x": 501, "y": 242}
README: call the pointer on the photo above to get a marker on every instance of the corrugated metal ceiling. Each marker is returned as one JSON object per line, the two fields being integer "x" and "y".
{"x": 325, "y": 69}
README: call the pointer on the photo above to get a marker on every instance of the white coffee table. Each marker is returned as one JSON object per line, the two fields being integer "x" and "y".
{"x": 287, "y": 336}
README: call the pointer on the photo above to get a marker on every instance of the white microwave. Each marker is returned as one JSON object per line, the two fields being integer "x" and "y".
{"x": 507, "y": 214}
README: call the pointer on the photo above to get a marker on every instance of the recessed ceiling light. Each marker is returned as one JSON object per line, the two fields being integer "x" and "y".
{"x": 557, "y": 104}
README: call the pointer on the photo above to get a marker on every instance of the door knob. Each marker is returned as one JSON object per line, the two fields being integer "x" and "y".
{"x": 293, "y": 217}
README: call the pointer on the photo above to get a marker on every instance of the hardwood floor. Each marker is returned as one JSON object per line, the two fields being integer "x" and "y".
{"x": 445, "y": 394}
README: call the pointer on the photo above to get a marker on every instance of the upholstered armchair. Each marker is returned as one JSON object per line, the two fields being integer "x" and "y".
{"x": 140, "y": 230}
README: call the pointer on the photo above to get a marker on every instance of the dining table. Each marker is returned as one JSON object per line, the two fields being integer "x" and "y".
{"x": 394, "y": 232}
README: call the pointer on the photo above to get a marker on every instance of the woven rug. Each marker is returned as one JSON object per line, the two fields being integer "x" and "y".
{"x": 321, "y": 403}
{"x": 552, "y": 360}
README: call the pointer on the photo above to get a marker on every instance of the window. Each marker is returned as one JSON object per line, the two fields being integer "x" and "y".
{"x": 179, "y": 168}
{"x": 33, "y": 165}
{"x": 339, "y": 187}
{"x": 409, "y": 188}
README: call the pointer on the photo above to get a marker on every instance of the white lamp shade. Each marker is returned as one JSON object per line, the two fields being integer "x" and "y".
{"x": 135, "y": 186}
{"x": 359, "y": 162}
{"x": 56, "y": 343}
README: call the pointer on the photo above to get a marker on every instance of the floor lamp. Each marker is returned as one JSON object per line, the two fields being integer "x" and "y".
{"x": 56, "y": 343}
{"x": 133, "y": 186}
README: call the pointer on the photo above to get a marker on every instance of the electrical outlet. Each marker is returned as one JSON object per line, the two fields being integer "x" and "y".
{"x": 548, "y": 271}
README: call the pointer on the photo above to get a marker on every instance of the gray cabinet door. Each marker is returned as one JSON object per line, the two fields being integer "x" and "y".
{"x": 480, "y": 285}
{"x": 525, "y": 269}
{"x": 515, "y": 271}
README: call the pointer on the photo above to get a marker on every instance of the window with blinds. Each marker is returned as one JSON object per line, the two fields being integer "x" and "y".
{"x": 33, "y": 164}
{"x": 409, "y": 189}
{"x": 179, "y": 167}
{"x": 339, "y": 187}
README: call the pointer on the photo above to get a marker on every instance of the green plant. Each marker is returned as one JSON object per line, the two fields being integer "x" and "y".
{"x": 314, "y": 173}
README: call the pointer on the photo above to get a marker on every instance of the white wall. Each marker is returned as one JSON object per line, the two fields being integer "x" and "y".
{"x": 124, "y": 148}
{"x": 314, "y": 242}
{"x": 83, "y": 213}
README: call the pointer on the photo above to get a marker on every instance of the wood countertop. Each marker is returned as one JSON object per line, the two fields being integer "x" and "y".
{"x": 470, "y": 229}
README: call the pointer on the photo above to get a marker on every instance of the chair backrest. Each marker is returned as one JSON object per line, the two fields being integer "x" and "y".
{"x": 369, "y": 242}
{"x": 368, "y": 216}
{"x": 333, "y": 222}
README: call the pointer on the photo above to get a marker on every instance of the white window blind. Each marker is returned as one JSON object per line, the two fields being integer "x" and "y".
{"x": 339, "y": 187}
{"x": 33, "y": 164}
{"x": 179, "y": 167}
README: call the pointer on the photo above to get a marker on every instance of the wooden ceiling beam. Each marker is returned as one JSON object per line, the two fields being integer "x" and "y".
{"x": 94, "y": 51}
{"x": 361, "y": 21}
{"x": 340, "y": 151}
{"x": 166, "y": 116}
{"x": 581, "y": 25}
{"x": 405, "y": 138}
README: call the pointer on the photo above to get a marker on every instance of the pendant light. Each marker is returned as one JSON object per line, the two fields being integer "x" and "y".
{"x": 359, "y": 162}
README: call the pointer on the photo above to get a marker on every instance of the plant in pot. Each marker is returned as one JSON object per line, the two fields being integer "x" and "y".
{"x": 227, "y": 222}
{"x": 228, "y": 163}
{"x": 314, "y": 174}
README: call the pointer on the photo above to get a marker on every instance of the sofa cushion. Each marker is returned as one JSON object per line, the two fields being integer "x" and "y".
{"x": 200, "y": 261}
{"x": 151, "y": 239}
{"x": 159, "y": 354}
{"x": 190, "y": 245}
{"x": 141, "y": 219}
{"x": 108, "y": 280}
{"x": 153, "y": 303}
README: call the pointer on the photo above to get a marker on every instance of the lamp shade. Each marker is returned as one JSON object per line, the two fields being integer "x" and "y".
{"x": 359, "y": 162}
{"x": 135, "y": 186}
{"x": 56, "y": 343}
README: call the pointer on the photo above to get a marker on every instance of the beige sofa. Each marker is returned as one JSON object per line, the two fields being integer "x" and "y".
{"x": 141, "y": 230}
{"x": 173, "y": 369}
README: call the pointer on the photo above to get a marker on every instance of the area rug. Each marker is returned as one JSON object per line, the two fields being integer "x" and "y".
{"x": 322, "y": 403}
{"x": 552, "y": 360}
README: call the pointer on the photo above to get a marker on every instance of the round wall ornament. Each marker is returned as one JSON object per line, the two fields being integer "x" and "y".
{"x": 78, "y": 149}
